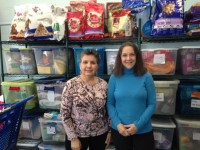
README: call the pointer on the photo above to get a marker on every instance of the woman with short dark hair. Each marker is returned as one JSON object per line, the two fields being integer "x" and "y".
{"x": 83, "y": 107}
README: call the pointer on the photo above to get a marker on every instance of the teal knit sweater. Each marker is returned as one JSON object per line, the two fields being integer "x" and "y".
{"x": 131, "y": 100}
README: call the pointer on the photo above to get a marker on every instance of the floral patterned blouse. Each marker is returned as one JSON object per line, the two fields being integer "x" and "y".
{"x": 83, "y": 108}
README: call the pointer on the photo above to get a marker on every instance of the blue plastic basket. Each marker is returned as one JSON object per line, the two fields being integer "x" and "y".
{"x": 10, "y": 121}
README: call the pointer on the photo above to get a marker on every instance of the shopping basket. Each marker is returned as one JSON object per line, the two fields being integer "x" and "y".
{"x": 10, "y": 121}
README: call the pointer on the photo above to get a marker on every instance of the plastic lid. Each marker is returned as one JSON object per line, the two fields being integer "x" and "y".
{"x": 51, "y": 146}
{"x": 160, "y": 49}
{"x": 112, "y": 50}
{"x": 188, "y": 122}
{"x": 163, "y": 123}
{"x": 50, "y": 120}
{"x": 16, "y": 49}
{"x": 50, "y": 80}
{"x": 166, "y": 83}
{"x": 28, "y": 142}
{"x": 190, "y": 47}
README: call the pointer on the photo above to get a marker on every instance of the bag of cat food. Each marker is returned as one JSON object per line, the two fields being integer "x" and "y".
{"x": 39, "y": 22}
{"x": 94, "y": 25}
{"x": 168, "y": 18}
{"x": 18, "y": 22}
{"x": 75, "y": 23}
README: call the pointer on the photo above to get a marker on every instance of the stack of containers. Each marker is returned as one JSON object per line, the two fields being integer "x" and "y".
{"x": 17, "y": 90}
{"x": 20, "y": 61}
{"x": 100, "y": 51}
{"x": 188, "y": 133}
{"x": 188, "y": 97}
{"x": 163, "y": 130}
{"x": 162, "y": 61}
{"x": 49, "y": 92}
{"x": 51, "y": 60}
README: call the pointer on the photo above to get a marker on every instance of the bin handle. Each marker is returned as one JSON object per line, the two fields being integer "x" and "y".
{"x": 14, "y": 88}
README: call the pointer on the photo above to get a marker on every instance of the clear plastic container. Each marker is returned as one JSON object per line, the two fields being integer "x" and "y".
{"x": 30, "y": 128}
{"x": 166, "y": 97}
{"x": 17, "y": 90}
{"x": 50, "y": 60}
{"x": 111, "y": 55}
{"x": 163, "y": 130}
{"x": 49, "y": 92}
{"x": 19, "y": 61}
{"x": 188, "y": 133}
{"x": 189, "y": 60}
{"x": 52, "y": 130}
{"x": 160, "y": 61}
{"x": 188, "y": 98}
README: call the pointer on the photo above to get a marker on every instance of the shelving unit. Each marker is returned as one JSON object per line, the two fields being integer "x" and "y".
{"x": 106, "y": 41}
{"x": 171, "y": 39}
{"x": 26, "y": 44}
{"x": 181, "y": 77}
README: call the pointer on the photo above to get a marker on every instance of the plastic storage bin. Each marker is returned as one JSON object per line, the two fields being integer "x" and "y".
{"x": 166, "y": 97}
{"x": 52, "y": 130}
{"x": 30, "y": 144}
{"x": 160, "y": 61}
{"x": 111, "y": 55}
{"x": 30, "y": 128}
{"x": 188, "y": 133}
{"x": 18, "y": 90}
{"x": 19, "y": 61}
{"x": 49, "y": 92}
{"x": 100, "y": 51}
{"x": 163, "y": 130}
{"x": 50, "y": 60}
{"x": 188, "y": 98}
{"x": 189, "y": 60}
{"x": 43, "y": 146}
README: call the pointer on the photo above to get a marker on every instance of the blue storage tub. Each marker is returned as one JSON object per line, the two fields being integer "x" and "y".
{"x": 188, "y": 99}
{"x": 100, "y": 51}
